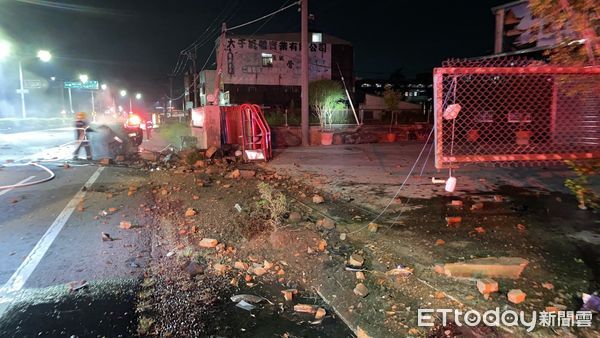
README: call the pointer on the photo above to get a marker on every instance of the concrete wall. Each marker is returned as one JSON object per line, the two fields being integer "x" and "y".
{"x": 291, "y": 136}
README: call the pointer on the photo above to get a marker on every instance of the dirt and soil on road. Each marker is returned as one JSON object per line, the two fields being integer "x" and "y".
{"x": 214, "y": 238}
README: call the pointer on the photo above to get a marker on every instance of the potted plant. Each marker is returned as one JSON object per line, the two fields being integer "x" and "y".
{"x": 391, "y": 98}
{"x": 325, "y": 98}
{"x": 522, "y": 135}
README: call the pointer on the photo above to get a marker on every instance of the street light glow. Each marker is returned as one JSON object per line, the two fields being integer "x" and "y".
{"x": 44, "y": 55}
{"x": 83, "y": 78}
{"x": 5, "y": 49}
{"x": 103, "y": 86}
{"x": 138, "y": 96}
{"x": 123, "y": 92}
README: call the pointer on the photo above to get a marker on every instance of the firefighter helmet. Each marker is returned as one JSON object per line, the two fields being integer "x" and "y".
{"x": 80, "y": 116}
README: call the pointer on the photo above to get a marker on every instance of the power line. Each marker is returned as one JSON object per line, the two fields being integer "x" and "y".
{"x": 183, "y": 59}
{"x": 265, "y": 16}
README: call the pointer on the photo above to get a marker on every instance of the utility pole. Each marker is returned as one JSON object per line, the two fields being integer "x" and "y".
{"x": 304, "y": 74}
{"x": 22, "y": 91}
{"x": 219, "y": 60}
{"x": 70, "y": 101}
{"x": 195, "y": 78}
{"x": 93, "y": 103}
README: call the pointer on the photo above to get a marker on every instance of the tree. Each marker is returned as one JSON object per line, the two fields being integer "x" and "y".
{"x": 326, "y": 97}
{"x": 574, "y": 21}
{"x": 392, "y": 99}
{"x": 569, "y": 21}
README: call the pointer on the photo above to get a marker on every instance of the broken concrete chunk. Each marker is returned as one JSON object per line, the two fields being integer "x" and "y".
{"x": 190, "y": 212}
{"x": 361, "y": 290}
{"x": 360, "y": 275}
{"x": 125, "y": 225}
{"x": 289, "y": 294}
{"x": 343, "y": 236}
{"x": 322, "y": 245}
{"x": 239, "y": 265}
{"x": 356, "y": 260}
{"x": 105, "y": 161}
{"x": 210, "y": 151}
{"x": 490, "y": 267}
{"x": 267, "y": 265}
{"x": 235, "y": 174}
{"x": 453, "y": 221}
{"x": 305, "y": 308}
{"x": 516, "y": 296}
{"x": 208, "y": 243}
{"x": 487, "y": 286}
{"x": 373, "y": 227}
{"x": 259, "y": 271}
{"x": 320, "y": 314}
{"x": 220, "y": 268}
{"x": 318, "y": 199}
{"x": 328, "y": 223}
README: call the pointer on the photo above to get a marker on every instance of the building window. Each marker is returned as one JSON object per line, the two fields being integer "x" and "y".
{"x": 267, "y": 60}
{"x": 317, "y": 38}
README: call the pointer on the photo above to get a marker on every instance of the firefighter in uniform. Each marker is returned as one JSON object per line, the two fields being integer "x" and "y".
{"x": 149, "y": 126}
{"x": 81, "y": 129}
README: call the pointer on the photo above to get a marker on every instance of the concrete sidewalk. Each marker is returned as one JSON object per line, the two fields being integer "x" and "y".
{"x": 373, "y": 173}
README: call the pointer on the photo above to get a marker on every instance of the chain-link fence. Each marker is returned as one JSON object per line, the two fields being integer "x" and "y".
{"x": 515, "y": 111}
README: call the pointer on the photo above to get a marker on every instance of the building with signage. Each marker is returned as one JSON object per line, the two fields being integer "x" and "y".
{"x": 519, "y": 32}
{"x": 265, "y": 69}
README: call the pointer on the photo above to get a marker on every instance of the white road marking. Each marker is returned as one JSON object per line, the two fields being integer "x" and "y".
{"x": 23, "y": 181}
{"x": 19, "y": 278}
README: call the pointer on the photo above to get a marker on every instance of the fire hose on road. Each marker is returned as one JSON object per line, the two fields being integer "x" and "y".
{"x": 26, "y": 184}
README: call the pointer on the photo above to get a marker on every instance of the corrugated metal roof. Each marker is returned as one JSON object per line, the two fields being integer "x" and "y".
{"x": 510, "y": 4}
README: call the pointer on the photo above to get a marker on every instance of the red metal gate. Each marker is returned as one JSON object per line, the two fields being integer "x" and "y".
{"x": 515, "y": 112}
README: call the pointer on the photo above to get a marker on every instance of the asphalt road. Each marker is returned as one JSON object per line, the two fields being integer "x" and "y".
{"x": 50, "y": 233}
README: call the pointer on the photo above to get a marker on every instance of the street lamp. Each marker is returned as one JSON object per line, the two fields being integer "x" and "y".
{"x": 44, "y": 55}
{"x": 123, "y": 93}
{"x": 103, "y": 86}
{"x": 138, "y": 96}
{"x": 83, "y": 78}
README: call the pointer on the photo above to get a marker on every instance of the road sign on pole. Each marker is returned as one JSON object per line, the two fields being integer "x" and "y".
{"x": 34, "y": 84}
{"x": 92, "y": 85}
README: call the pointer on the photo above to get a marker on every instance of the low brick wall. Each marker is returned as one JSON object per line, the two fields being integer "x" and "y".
{"x": 292, "y": 136}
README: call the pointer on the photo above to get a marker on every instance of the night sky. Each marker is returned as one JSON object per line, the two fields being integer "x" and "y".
{"x": 137, "y": 43}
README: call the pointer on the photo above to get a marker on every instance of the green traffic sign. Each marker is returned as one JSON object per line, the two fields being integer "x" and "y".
{"x": 93, "y": 85}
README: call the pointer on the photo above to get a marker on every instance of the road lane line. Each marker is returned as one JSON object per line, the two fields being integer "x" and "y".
{"x": 23, "y": 181}
{"x": 19, "y": 278}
